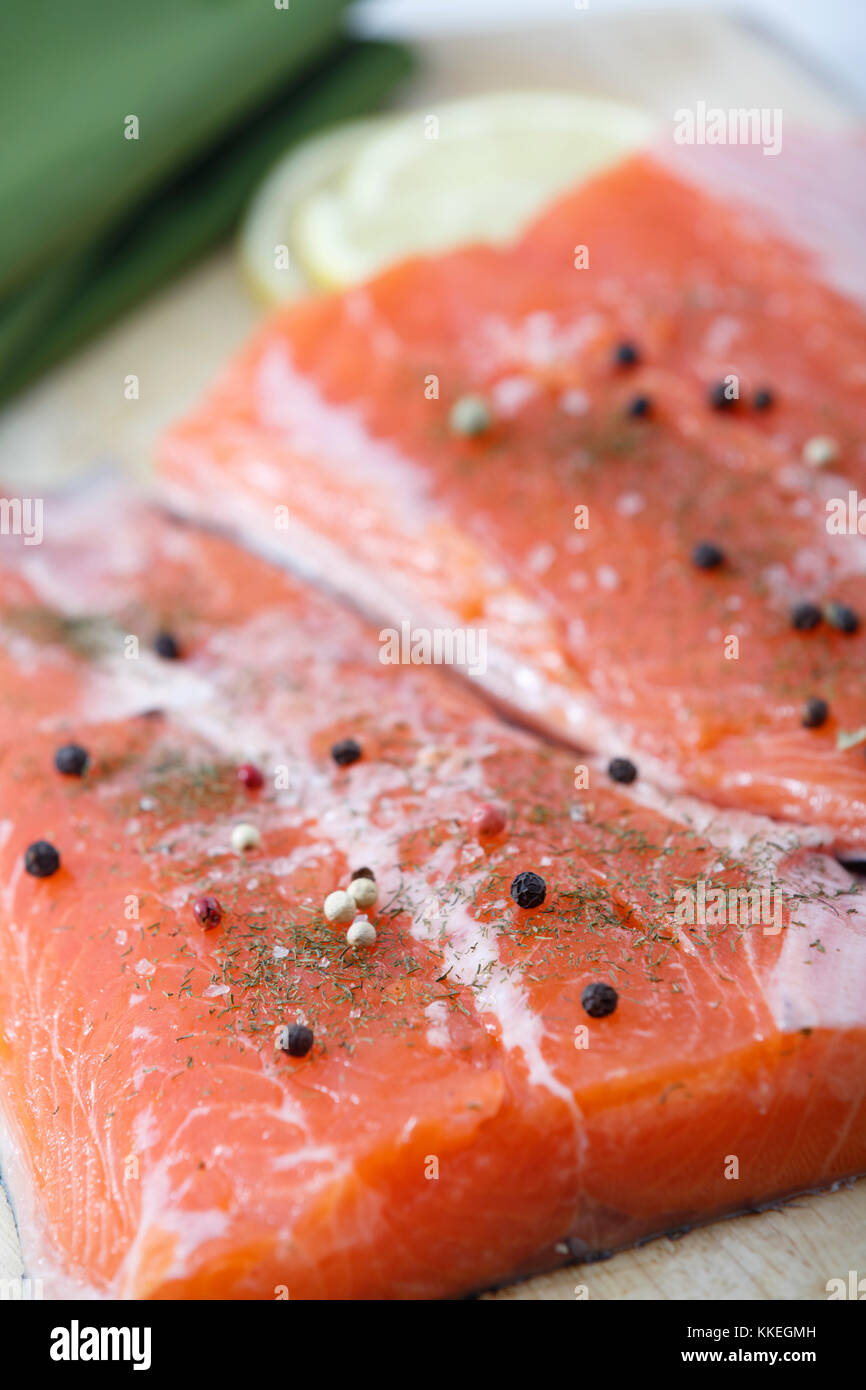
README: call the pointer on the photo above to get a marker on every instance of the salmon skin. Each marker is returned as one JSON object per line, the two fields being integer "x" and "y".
{"x": 566, "y": 530}
{"x": 463, "y": 1114}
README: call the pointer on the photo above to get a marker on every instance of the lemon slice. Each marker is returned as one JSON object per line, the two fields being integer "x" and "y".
{"x": 267, "y": 250}
{"x": 472, "y": 170}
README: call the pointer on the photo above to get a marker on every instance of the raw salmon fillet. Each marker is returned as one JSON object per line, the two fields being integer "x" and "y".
{"x": 810, "y": 197}
{"x": 327, "y": 445}
{"x": 460, "y": 1117}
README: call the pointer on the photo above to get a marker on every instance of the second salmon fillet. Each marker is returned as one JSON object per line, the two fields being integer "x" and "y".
{"x": 541, "y": 444}
{"x": 568, "y": 1033}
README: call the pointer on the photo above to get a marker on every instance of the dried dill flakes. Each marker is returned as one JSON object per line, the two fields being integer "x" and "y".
{"x": 87, "y": 637}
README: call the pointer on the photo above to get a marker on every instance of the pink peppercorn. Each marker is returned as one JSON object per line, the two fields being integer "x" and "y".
{"x": 250, "y": 776}
{"x": 207, "y": 912}
{"x": 487, "y": 821}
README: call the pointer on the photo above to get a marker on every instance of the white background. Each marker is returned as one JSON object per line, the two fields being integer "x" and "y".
{"x": 829, "y": 35}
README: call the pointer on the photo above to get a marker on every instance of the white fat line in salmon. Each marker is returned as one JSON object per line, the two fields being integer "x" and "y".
{"x": 470, "y": 950}
{"x": 530, "y": 699}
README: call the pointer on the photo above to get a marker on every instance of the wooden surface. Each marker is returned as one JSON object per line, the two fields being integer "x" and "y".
{"x": 789, "y": 1253}
{"x": 78, "y": 418}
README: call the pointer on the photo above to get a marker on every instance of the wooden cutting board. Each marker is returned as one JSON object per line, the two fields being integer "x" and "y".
{"x": 78, "y": 418}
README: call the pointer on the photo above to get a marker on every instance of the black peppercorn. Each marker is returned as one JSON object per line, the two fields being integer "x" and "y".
{"x": 599, "y": 999}
{"x": 626, "y": 355}
{"x": 71, "y": 759}
{"x": 528, "y": 889}
{"x": 41, "y": 859}
{"x": 707, "y": 556}
{"x": 621, "y": 770}
{"x": 718, "y": 397}
{"x": 815, "y": 712}
{"x": 805, "y": 616}
{"x": 166, "y": 646}
{"x": 296, "y": 1039}
{"x": 840, "y": 616}
{"x": 346, "y": 752}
